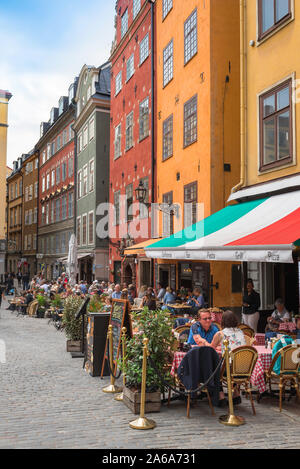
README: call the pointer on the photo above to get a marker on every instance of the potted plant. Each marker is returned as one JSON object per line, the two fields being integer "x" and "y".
{"x": 96, "y": 304}
{"x": 57, "y": 302}
{"x": 43, "y": 303}
{"x": 72, "y": 326}
{"x": 157, "y": 327}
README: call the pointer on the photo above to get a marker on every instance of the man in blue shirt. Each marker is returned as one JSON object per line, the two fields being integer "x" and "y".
{"x": 117, "y": 293}
{"x": 203, "y": 331}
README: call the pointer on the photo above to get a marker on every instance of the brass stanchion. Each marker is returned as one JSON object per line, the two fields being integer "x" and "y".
{"x": 231, "y": 419}
{"x": 111, "y": 388}
{"x": 143, "y": 423}
{"x": 120, "y": 397}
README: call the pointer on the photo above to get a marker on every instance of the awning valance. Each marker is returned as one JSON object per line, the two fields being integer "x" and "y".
{"x": 139, "y": 249}
{"x": 264, "y": 230}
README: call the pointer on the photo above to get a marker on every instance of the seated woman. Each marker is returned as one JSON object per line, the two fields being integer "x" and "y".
{"x": 236, "y": 339}
{"x": 108, "y": 304}
{"x": 279, "y": 316}
{"x": 168, "y": 299}
{"x": 149, "y": 301}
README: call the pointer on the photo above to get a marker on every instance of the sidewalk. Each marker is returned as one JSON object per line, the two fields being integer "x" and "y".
{"x": 49, "y": 401}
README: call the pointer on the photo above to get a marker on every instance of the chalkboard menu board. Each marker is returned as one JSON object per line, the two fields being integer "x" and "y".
{"x": 97, "y": 324}
{"x": 119, "y": 318}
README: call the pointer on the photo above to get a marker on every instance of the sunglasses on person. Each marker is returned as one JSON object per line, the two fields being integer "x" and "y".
{"x": 206, "y": 319}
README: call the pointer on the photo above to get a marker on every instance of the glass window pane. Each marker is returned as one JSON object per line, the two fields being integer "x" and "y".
{"x": 283, "y": 135}
{"x": 283, "y": 98}
{"x": 282, "y": 9}
{"x": 269, "y": 141}
{"x": 269, "y": 105}
{"x": 267, "y": 14}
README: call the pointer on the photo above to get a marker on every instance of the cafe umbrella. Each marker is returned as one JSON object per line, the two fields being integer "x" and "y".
{"x": 72, "y": 260}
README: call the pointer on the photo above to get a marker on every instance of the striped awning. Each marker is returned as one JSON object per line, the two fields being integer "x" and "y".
{"x": 138, "y": 249}
{"x": 264, "y": 230}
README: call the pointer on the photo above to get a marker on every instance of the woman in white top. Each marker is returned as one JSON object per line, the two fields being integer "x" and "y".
{"x": 236, "y": 339}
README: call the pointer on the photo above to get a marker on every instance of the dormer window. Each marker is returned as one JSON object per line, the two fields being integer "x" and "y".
{"x": 71, "y": 93}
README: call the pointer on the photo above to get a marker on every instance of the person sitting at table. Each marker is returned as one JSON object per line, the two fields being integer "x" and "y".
{"x": 161, "y": 291}
{"x": 149, "y": 301}
{"x": 168, "y": 299}
{"x": 236, "y": 338}
{"x": 195, "y": 301}
{"x": 131, "y": 295}
{"x": 279, "y": 316}
{"x": 124, "y": 294}
{"x": 203, "y": 331}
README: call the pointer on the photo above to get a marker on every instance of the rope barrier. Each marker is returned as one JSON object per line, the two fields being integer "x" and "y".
{"x": 190, "y": 391}
{"x": 109, "y": 368}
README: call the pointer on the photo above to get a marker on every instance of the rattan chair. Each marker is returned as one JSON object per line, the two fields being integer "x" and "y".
{"x": 243, "y": 361}
{"x": 33, "y": 308}
{"x": 182, "y": 332}
{"x": 246, "y": 330}
{"x": 289, "y": 371}
{"x": 249, "y": 340}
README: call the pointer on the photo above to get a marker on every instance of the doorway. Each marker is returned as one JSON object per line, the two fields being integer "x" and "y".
{"x": 286, "y": 285}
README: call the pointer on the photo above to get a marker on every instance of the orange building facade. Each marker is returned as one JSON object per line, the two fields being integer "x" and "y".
{"x": 198, "y": 131}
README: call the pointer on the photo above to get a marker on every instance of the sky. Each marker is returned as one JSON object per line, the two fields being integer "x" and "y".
{"x": 44, "y": 45}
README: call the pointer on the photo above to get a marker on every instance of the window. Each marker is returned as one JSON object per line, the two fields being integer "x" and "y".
{"x": 117, "y": 207}
{"x": 63, "y": 242}
{"x": 89, "y": 92}
{"x": 92, "y": 128}
{"x": 117, "y": 141}
{"x": 167, "y": 6}
{"x": 57, "y": 210}
{"x": 34, "y": 241}
{"x": 48, "y": 151}
{"x": 36, "y": 188}
{"x": 276, "y": 127}
{"x": 64, "y": 171}
{"x": 124, "y": 24}
{"x": 43, "y": 215}
{"x": 43, "y": 184}
{"x": 190, "y": 204}
{"x": 168, "y": 138}
{"x": 84, "y": 229}
{"x": 57, "y": 243}
{"x": 47, "y": 214}
{"x": 144, "y": 49}
{"x": 11, "y": 191}
{"x": 136, "y": 7}
{"x": 52, "y": 148}
{"x": 48, "y": 181}
{"x": 57, "y": 174}
{"x": 53, "y": 177}
{"x": 58, "y": 143}
{"x": 91, "y": 176}
{"x": 168, "y": 217}
{"x": 64, "y": 207}
{"x": 272, "y": 14}
{"x": 71, "y": 132}
{"x": 130, "y": 67}
{"x": 70, "y": 205}
{"x": 70, "y": 167}
{"x": 79, "y": 142}
{"x": 79, "y": 184}
{"x": 26, "y": 194}
{"x": 168, "y": 63}
{"x": 20, "y": 188}
{"x": 65, "y": 137}
{"x": 91, "y": 228}
{"x": 118, "y": 82}
{"x": 143, "y": 207}
{"x": 35, "y": 215}
{"x": 190, "y": 121}
{"x": 190, "y": 37}
{"x": 129, "y": 131}
{"x": 144, "y": 119}
{"x": 26, "y": 217}
{"x": 44, "y": 157}
{"x": 129, "y": 201}
{"x": 85, "y": 137}
{"x": 30, "y": 217}
{"x": 30, "y": 192}
{"x": 36, "y": 163}
{"x": 85, "y": 180}
{"x": 16, "y": 190}
{"x": 25, "y": 243}
{"x": 79, "y": 231}
{"x": 52, "y": 216}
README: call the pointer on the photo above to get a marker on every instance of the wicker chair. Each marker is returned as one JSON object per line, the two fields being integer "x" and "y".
{"x": 33, "y": 308}
{"x": 243, "y": 360}
{"x": 246, "y": 330}
{"x": 182, "y": 332}
{"x": 289, "y": 371}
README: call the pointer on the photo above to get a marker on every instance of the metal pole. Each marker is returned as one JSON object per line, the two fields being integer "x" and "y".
{"x": 112, "y": 388}
{"x": 120, "y": 397}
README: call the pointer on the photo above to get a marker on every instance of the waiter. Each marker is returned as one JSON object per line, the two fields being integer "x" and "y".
{"x": 251, "y": 305}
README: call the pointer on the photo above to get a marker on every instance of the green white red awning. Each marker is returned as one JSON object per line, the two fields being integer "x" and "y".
{"x": 264, "y": 230}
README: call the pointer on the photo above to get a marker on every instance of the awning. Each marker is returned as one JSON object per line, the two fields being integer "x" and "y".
{"x": 264, "y": 230}
{"x": 138, "y": 249}
{"x": 84, "y": 254}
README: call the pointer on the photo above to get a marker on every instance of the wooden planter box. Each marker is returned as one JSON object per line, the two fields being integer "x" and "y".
{"x": 132, "y": 399}
{"x": 73, "y": 346}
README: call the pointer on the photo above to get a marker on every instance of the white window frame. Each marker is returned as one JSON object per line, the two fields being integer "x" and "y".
{"x": 117, "y": 142}
{"x": 91, "y": 213}
{"x": 118, "y": 83}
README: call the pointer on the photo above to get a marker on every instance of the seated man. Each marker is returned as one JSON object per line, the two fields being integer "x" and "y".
{"x": 203, "y": 331}
{"x": 278, "y": 316}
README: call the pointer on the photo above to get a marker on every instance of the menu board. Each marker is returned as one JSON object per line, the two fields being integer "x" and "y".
{"x": 119, "y": 318}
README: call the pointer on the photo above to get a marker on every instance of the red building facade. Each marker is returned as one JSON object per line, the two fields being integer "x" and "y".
{"x": 131, "y": 157}
{"x": 56, "y": 190}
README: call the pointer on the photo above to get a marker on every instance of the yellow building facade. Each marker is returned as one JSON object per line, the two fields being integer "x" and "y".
{"x": 270, "y": 125}
{"x": 198, "y": 129}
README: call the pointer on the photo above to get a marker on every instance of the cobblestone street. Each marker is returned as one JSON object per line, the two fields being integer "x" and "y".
{"x": 49, "y": 401}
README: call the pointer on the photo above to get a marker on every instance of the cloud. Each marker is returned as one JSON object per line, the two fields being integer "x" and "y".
{"x": 37, "y": 72}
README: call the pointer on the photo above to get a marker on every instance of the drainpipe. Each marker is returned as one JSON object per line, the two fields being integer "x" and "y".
{"x": 242, "y": 94}
{"x": 152, "y": 280}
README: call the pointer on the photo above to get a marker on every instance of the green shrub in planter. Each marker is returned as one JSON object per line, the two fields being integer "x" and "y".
{"x": 57, "y": 302}
{"x": 157, "y": 327}
{"x": 72, "y": 326}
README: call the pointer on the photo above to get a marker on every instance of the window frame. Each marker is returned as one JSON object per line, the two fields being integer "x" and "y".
{"x": 125, "y": 15}
{"x": 91, "y": 242}
{"x": 129, "y": 138}
{"x": 276, "y": 25}
{"x": 166, "y": 135}
{"x": 194, "y": 200}
{"x": 168, "y": 63}
{"x": 195, "y": 97}
{"x": 144, "y": 49}
{"x": 186, "y": 36}
{"x": 142, "y": 120}
{"x": 278, "y": 163}
{"x": 167, "y": 6}
{"x": 118, "y": 137}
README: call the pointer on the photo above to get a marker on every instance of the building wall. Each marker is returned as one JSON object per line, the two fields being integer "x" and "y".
{"x": 268, "y": 63}
{"x": 134, "y": 164}
{"x": 14, "y": 226}
{"x": 4, "y": 100}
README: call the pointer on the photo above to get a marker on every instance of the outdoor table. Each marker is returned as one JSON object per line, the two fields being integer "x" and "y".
{"x": 257, "y": 379}
{"x": 179, "y": 309}
{"x": 287, "y": 326}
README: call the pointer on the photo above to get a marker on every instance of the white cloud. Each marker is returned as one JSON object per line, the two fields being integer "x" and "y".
{"x": 37, "y": 75}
